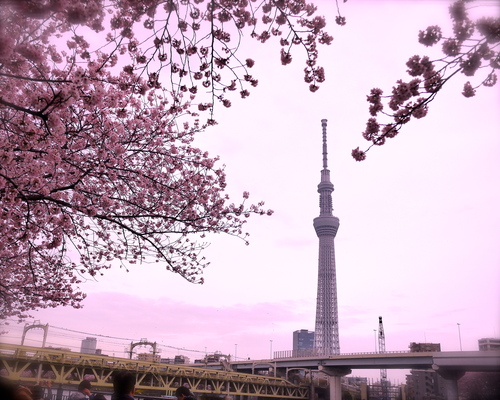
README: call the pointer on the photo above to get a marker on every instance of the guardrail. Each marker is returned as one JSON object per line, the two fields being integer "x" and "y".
{"x": 314, "y": 353}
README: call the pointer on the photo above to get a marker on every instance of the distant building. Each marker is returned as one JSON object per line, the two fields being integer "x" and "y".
{"x": 303, "y": 340}
{"x": 376, "y": 390}
{"x": 354, "y": 380}
{"x": 88, "y": 345}
{"x": 356, "y": 386}
{"x": 424, "y": 347}
{"x": 425, "y": 384}
{"x": 181, "y": 360}
{"x": 59, "y": 348}
{"x": 216, "y": 357}
{"x": 150, "y": 357}
{"x": 487, "y": 344}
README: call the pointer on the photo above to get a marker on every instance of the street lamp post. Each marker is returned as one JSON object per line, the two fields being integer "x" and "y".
{"x": 271, "y": 349}
{"x": 459, "y": 336}
{"x": 235, "y": 350}
{"x": 375, "y": 334}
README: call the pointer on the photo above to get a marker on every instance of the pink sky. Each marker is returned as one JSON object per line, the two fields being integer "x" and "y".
{"x": 419, "y": 232}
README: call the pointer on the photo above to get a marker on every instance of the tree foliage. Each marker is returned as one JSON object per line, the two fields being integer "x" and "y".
{"x": 472, "y": 50}
{"x": 100, "y": 101}
{"x": 480, "y": 386}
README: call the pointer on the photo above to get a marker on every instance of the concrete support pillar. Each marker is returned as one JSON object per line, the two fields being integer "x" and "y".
{"x": 452, "y": 389}
{"x": 451, "y": 377}
{"x": 312, "y": 393}
{"x": 335, "y": 388}
{"x": 364, "y": 391}
{"x": 334, "y": 375}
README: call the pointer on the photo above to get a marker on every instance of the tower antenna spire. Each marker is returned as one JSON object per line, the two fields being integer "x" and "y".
{"x": 325, "y": 148}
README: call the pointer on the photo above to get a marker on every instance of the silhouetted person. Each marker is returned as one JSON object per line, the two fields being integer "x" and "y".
{"x": 123, "y": 386}
{"x": 83, "y": 391}
{"x": 14, "y": 391}
{"x": 183, "y": 393}
{"x": 37, "y": 393}
{"x": 7, "y": 389}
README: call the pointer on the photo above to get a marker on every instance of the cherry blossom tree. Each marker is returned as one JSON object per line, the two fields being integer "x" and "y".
{"x": 471, "y": 51}
{"x": 100, "y": 101}
{"x": 480, "y": 386}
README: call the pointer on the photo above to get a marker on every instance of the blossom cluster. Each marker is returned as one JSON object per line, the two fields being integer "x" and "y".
{"x": 195, "y": 42}
{"x": 473, "y": 47}
{"x": 311, "y": 34}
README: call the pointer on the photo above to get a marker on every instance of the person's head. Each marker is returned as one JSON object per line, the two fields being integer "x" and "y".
{"x": 99, "y": 396}
{"x": 22, "y": 393}
{"x": 85, "y": 387}
{"x": 124, "y": 383}
{"x": 182, "y": 392}
{"x": 7, "y": 389}
{"x": 37, "y": 392}
{"x": 10, "y": 390}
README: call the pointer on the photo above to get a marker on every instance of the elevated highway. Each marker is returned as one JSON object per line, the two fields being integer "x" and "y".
{"x": 450, "y": 365}
{"x": 461, "y": 361}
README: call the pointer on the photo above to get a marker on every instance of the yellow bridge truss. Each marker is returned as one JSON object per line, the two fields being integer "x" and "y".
{"x": 31, "y": 364}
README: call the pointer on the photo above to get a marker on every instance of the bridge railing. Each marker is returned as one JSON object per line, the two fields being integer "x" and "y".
{"x": 312, "y": 353}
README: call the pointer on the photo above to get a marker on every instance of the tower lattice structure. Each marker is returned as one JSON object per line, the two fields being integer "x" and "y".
{"x": 326, "y": 335}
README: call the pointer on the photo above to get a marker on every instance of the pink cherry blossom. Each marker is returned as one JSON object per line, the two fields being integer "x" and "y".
{"x": 286, "y": 58}
{"x": 358, "y": 155}
{"x": 468, "y": 91}
{"x": 430, "y": 36}
{"x": 457, "y": 11}
{"x": 471, "y": 64}
{"x": 451, "y": 47}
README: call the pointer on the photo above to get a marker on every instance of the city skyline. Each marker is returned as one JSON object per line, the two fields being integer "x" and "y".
{"x": 420, "y": 221}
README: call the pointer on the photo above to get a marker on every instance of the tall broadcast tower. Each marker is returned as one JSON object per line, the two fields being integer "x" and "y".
{"x": 326, "y": 335}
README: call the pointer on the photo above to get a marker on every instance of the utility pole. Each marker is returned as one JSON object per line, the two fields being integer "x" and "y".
{"x": 459, "y": 336}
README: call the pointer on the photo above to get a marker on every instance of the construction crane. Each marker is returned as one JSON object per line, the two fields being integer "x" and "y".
{"x": 381, "y": 349}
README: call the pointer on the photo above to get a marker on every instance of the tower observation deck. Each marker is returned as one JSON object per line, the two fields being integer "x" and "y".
{"x": 326, "y": 336}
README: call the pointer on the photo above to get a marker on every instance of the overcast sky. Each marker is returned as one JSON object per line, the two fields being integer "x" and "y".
{"x": 418, "y": 242}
